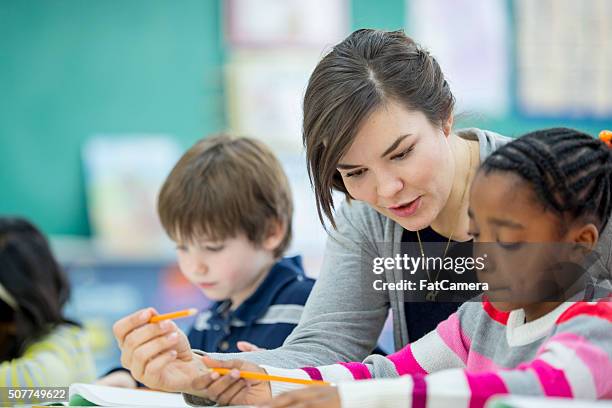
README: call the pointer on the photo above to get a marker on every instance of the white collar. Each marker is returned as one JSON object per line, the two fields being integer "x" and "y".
{"x": 519, "y": 333}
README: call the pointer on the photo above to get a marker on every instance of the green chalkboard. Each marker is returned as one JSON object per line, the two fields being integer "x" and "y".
{"x": 72, "y": 68}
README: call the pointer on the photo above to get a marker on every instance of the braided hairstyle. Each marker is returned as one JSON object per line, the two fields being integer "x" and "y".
{"x": 570, "y": 171}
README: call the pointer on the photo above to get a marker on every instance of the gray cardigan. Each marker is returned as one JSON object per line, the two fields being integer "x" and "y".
{"x": 343, "y": 316}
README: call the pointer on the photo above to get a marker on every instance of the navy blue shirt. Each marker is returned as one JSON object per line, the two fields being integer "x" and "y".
{"x": 265, "y": 319}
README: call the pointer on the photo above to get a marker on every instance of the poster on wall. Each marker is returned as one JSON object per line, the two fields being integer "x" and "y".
{"x": 123, "y": 174}
{"x": 291, "y": 23}
{"x": 564, "y": 58}
{"x": 265, "y": 93}
{"x": 470, "y": 40}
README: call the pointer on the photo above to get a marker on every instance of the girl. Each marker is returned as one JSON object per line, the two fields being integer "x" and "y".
{"x": 38, "y": 345}
{"x": 552, "y": 186}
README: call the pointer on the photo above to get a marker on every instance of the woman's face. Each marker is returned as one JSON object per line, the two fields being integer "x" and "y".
{"x": 401, "y": 165}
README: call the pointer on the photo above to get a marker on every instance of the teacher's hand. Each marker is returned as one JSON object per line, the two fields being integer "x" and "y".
{"x": 230, "y": 388}
{"x": 157, "y": 354}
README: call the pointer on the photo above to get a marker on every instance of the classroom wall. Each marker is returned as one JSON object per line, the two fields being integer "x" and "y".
{"x": 71, "y": 68}
{"x": 384, "y": 15}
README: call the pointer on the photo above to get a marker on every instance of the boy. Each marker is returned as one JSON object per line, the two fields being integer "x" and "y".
{"x": 227, "y": 205}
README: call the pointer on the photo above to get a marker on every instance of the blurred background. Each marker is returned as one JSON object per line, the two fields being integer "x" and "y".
{"x": 98, "y": 99}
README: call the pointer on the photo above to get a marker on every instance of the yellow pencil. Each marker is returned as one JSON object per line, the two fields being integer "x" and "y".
{"x": 265, "y": 377}
{"x": 174, "y": 315}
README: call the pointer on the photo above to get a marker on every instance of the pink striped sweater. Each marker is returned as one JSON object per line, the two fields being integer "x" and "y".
{"x": 479, "y": 352}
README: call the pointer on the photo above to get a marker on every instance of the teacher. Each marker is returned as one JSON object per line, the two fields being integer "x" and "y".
{"x": 378, "y": 127}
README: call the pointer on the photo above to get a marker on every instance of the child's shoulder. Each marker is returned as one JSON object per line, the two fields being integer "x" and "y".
{"x": 586, "y": 324}
{"x": 296, "y": 292}
{"x": 294, "y": 286}
{"x": 65, "y": 353}
{"x": 64, "y": 336}
{"x": 600, "y": 310}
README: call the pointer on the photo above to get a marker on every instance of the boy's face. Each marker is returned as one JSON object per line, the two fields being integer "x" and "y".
{"x": 228, "y": 269}
{"x": 524, "y": 259}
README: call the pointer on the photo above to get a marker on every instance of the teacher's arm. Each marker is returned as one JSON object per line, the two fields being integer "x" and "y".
{"x": 343, "y": 316}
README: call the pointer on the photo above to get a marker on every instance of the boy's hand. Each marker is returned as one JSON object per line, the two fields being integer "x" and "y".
{"x": 157, "y": 354}
{"x": 313, "y": 397}
{"x": 231, "y": 389}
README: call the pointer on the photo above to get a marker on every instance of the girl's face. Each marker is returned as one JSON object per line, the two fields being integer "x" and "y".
{"x": 528, "y": 252}
{"x": 401, "y": 165}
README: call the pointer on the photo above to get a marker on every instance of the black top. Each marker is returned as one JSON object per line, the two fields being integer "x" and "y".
{"x": 423, "y": 316}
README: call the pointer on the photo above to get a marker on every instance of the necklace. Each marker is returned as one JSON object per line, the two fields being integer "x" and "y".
{"x": 432, "y": 294}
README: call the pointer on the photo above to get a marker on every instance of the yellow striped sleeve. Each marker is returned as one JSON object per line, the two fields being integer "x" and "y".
{"x": 3, "y": 373}
{"x": 59, "y": 359}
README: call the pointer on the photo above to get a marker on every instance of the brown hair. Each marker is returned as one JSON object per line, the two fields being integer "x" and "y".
{"x": 367, "y": 69}
{"x": 223, "y": 186}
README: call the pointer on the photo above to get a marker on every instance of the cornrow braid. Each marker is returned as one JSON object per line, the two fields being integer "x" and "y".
{"x": 570, "y": 171}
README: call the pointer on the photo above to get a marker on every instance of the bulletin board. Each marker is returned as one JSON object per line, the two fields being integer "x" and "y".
{"x": 564, "y": 58}
{"x": 520, "y": 65}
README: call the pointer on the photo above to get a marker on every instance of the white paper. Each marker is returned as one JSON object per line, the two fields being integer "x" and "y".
{"x": 114, "y": 396}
